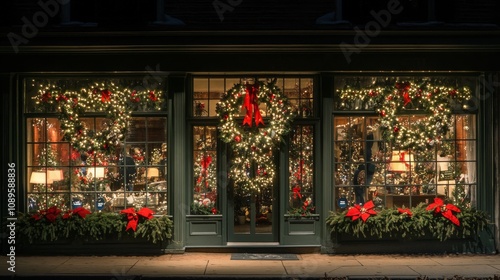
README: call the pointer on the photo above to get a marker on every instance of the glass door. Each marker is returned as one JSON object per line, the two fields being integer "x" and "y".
{"x": 251, "y": 216}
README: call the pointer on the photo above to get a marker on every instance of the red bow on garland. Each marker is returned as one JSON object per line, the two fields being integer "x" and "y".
{"x": 296, "y": 193}
{"x": 249, "y": 102}
{"x": 133, "y": 217}
{"x": 364, "y": 212}
{"x": 445, "y": 209}
{"x": 403, "y": 89}
{"x": 205, "y": 162}
{"x": 405, "y": 211}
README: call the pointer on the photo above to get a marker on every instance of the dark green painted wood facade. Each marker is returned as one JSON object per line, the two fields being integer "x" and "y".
{"x": 181, "y": 54}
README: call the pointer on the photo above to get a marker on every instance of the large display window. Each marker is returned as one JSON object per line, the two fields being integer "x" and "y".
{"x": 95, "y": 143}
{"x": 402, "y": 141}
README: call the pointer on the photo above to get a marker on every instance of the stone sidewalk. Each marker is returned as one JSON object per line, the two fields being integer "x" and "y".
{"x": 193, "y": 265}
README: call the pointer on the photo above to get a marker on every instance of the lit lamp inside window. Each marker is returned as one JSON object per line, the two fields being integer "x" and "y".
{"x": 54, "y": 176}
{"x": 38, "y": 178}
{"x": 96, "y": 172}
{"x": 401, "y": 163}
{"x": 152, "y": 173}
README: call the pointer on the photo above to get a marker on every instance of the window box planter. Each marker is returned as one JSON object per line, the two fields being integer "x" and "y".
{"x": 421, "y": 229}
{"x": 92, "y": 233}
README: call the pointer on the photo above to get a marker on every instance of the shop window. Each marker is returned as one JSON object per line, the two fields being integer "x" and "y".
{"x": 412, "y": 158}
{"x": 301, "y": 171}
{"x": 82, "y": 158}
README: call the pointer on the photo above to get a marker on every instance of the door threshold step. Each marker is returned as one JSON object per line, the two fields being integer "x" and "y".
{"x": 252, "y": 244}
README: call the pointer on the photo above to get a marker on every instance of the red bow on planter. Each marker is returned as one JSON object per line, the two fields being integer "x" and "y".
{"x": 445, "y": 209}
{"x": 249, "y": 102}
{"x": 133, "y": 217}
{"x": 364, "y": 212}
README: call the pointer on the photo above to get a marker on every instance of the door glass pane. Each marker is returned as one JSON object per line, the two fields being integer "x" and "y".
{"x": 204, "y": 171}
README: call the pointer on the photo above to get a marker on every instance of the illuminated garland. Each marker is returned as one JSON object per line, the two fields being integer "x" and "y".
{"x": 254, "y": 139}
{"x": 116, "y": 102}
{"x": 428, "y": 129}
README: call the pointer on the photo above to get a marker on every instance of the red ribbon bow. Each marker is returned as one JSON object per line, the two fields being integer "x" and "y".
{"x": 445, "y": 209}
{"x": 403, "y": 89}
{"x": 296, "y": 193}
{"x": 80, "y": 211}
{"x": 133, "y": 217}
{"x": 251, "y": 101}
{"x": 364, "y": 212}
{"x": 205, "y": 163}
{"x": 105, "y": 96}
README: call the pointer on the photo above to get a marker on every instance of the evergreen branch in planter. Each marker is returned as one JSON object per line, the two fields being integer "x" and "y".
{"x": 431, "y": 220}
{"x": 51, "y": 225}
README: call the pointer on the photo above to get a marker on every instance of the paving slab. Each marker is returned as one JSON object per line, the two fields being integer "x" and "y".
{"x": 316, "y": 267}
{"x": 396, "y": 260}
{"x": 373, "y": 271}
{"x": 169, "y": 267}
{"x": 454, "y": 270}
{"x": 245, "y": 267}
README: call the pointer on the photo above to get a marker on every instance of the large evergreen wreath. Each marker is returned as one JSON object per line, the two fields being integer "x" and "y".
{"x": 116, "y": 102}
{"x": 253, "y": 138}
{"x": 432, "y": 105}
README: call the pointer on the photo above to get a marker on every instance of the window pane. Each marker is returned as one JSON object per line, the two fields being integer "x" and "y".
{"x": 204, "y": 171}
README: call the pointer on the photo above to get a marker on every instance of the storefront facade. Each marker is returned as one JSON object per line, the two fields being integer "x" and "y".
{"x": 180, "y": 164}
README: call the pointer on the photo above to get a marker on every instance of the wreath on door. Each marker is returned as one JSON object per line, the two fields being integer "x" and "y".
{"x": 255, "y": 135}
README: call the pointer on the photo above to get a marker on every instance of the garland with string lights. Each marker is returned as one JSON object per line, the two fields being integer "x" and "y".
{"x": 109, "y": 98}
{"x": 435, "y": 102}
{"x": 254, "y": 139}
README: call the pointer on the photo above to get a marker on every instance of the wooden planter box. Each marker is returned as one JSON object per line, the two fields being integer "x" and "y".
{"x": 110, "y": 246}
{"x": 347, "y": 244}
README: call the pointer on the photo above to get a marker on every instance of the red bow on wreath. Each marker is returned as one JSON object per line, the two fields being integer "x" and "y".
{"x": 133, "y": 217}
{"x": 249, "y": 102}
{"x": 105, "y": 96}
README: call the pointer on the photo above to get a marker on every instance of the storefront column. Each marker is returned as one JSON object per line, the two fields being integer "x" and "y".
{"x": 178, "y": 163}
{"x": 326, "y": 101}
